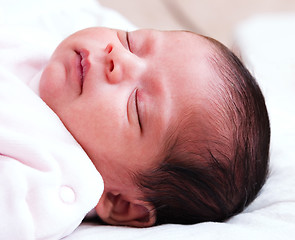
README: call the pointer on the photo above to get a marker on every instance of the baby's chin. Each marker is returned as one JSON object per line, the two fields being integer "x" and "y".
{"x": 52, "y": 89}
{"x": 46, "y": 86}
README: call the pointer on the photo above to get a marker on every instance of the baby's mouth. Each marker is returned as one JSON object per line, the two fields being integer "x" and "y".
{"x": 83, "y": 65}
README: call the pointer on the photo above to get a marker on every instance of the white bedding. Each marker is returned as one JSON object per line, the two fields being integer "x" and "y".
{"x": 267, "y": 45}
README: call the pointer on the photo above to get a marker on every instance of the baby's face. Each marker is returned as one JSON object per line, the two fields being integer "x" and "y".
{"x": 119, "y": 93}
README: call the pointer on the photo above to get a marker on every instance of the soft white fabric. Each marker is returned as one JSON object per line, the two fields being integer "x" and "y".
{"x": 48, "y": 184}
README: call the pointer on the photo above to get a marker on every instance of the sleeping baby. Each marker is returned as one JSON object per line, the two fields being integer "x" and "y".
{"x": 174, "y": 123}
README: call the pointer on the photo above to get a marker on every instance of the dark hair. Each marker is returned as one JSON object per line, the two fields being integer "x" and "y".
{"x": 214, "y": 175}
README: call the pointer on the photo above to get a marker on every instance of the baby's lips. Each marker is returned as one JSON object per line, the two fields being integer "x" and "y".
{"x": 82, "y": 66}
{"x": 84, "y": 62}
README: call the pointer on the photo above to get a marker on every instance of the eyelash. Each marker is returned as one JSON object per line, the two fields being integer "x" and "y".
{"x": 128, "y": 42}
{"x": 136, "y": 105}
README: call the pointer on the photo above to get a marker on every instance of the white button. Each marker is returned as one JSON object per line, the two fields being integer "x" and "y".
{"x": 67, "y": 194}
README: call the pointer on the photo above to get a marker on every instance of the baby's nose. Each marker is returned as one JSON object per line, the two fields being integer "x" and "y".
{"x": 121, "y": 65}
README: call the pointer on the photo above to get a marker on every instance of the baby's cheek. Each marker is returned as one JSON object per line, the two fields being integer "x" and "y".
{"x": 46, "y": 85}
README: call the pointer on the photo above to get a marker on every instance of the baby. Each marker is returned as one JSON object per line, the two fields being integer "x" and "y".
{"x": 174, "y": 123}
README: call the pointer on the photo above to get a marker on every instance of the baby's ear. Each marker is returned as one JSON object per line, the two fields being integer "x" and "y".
{"x": 115, "y": 209}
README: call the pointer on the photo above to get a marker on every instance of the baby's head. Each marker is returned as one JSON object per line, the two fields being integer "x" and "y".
{"x": 174, "y": 123}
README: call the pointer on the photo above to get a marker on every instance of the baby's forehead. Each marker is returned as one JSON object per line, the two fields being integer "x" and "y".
{"x": 198, "y": 38}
